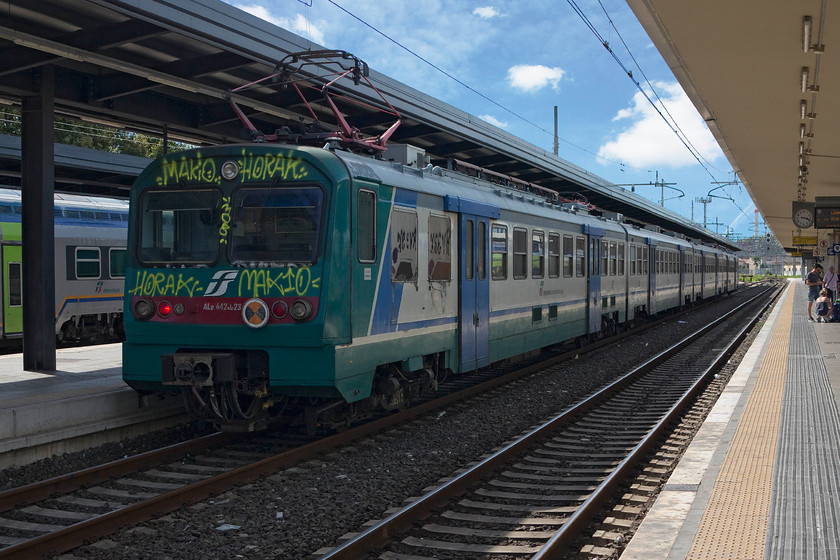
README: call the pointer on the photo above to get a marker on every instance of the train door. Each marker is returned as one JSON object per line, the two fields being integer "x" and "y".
{"x": 473, "y": 280}
{"x": 594, "y": 304}
{"x": 654, "y": 262}
{"x": 683, "y": 277}
{"x": 12, "y": 318}
{"x": 474, "y": 316}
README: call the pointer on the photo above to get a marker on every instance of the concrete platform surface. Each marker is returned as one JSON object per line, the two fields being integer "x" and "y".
{"x": 83, "y": 403}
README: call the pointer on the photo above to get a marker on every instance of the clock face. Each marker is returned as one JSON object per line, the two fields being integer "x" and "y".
{"x": 803, "y": 218}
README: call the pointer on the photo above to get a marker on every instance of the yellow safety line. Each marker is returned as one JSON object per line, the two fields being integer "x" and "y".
{"x": 734, "y": 526}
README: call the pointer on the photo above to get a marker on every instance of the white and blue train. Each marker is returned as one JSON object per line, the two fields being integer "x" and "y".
{"x": 266, "y": 278}
{"x": 90, "y": 253}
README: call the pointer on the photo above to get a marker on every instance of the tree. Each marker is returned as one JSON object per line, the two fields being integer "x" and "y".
{"x": 93, "y": 136}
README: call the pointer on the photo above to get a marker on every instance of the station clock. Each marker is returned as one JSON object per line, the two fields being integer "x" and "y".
{"x": 803, "y": 214}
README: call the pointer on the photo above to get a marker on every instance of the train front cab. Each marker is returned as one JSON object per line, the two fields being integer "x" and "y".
{"x": 237, "y": 279}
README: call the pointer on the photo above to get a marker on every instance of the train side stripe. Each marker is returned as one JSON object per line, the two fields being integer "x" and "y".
{"x": 81, "y": 299}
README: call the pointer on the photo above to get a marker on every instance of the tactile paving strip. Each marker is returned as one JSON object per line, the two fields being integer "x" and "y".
{"x": 805, "y": 516}
{"x": 734, "y": 525}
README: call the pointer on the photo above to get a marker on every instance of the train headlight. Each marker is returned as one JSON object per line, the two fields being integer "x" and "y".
{"x": 178, "y": 308}
{"x": 230, "y": 170}
{"x": 144, "y": 308}
{"x": 300, "y": 310}
{"x": 164, "y": 308}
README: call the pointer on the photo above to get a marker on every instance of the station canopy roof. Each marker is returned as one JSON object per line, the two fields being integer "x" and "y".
{"x": 764, "y": 76}
{"x": 164, "y": 68}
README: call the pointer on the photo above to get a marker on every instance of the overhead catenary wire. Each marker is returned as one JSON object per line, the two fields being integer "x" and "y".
{"x": 650, "y": 84}
{"x": 467, "y": 86}
{"x": 606, "y": 44}
{"x": 671, "y": 122}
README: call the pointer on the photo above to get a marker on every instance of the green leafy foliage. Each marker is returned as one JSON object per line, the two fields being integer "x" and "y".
{"x": 93, "y": 136}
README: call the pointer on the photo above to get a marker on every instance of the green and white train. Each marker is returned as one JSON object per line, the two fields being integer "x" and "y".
{"x": 267, "y": 281}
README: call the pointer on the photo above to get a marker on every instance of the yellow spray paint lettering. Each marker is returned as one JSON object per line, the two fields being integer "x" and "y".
{"x": 268, "y": 282}
{"x": 195, "y": 170}
{"x": 270, "y": 166}
{"x": 152, "y": 284}
{"x": 261, "y": 167}
{"x": 225, "y": 227}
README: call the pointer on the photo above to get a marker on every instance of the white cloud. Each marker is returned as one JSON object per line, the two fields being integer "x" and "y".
{"x": 648, "y": 141}
{"x": 486, "y": 12}
{"x": 534, "y": 77}
{"x": 493, "y": 120}
{"x": 299, "y": 24}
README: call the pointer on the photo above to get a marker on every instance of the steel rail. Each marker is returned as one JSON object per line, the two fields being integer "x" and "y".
{"x": 400, "y": 520}
{"x": 556, "y": 546}
{"x": 64, "y": 484}
{"x": 108, "y": 523}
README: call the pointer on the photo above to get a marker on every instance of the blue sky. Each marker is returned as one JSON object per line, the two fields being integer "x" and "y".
{"x": 520, "y": 59}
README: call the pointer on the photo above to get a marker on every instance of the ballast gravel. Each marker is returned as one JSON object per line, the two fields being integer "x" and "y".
{"x": 293, "y": 513}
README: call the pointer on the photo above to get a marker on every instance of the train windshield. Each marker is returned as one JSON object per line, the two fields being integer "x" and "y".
{"x": 180, "y": 227}
{"x": 276, "y": 226}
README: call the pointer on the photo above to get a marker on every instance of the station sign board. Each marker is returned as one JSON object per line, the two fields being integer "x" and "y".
{"x": 805, "y": 240}
{"x": 827, "y": 217}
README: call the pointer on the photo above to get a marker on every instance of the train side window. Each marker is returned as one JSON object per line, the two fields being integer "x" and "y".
{"x": 116, "y": 262}
{"x": 605, "y": 258}
{"x": 88, "y": 262}
{"x": 520, "y": 253}
{"x": 568, "y": 256}
{"x": 632, "y": 260}
{"x": 613, "y": 259}
{"x": 499, "y": 248}
{"x": 366, "y": 226}
{"x": 440, "y": 248}
{"x": 537, "y": 254}
{"x": 469, "y": 251}
{"x": 621, "y": 259}
{"x": 580, "y": 257}
{"x": 640, "y": 250}
{"x": 15, "y": 285}
{"x": 554, "y": 255}
{"x": 645, "y": 252}
{"x": 404, "y": 246}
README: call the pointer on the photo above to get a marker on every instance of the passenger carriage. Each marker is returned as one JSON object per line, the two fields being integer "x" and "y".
{"x": 90, "y": 238}
{"x": 264, "y": 279}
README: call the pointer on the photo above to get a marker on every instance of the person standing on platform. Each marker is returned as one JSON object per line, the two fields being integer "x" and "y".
{"x": 814, "y": 283}
{"x": 830, "y": 283}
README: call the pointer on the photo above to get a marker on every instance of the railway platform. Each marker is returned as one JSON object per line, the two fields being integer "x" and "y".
{"x": 761, "y": 478}
{"x": 82, "y": 404}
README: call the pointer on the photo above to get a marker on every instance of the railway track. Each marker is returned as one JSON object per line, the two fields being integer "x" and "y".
{"x": 62, "y": 513}
{"x": 537, "y": 495}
